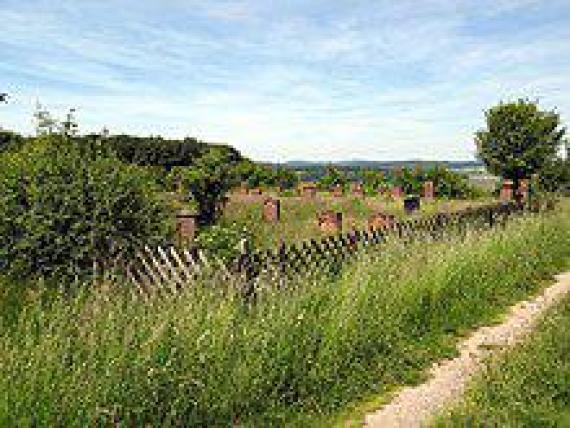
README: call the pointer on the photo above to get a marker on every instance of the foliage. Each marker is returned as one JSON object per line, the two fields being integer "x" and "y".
{"x": 332, "y": 178}
{"x": 222, "y": 242}
{"x": 528, "y": 386}
{"x": 203, "y": 358}
{"x": 555, "y": 176}
{"x": 258, "y": 175}
{"x": 65, "y": 205}
{"x": 519, "y": 139}
{"x": 10, "y": 140}
{"x": 206, "y": 181}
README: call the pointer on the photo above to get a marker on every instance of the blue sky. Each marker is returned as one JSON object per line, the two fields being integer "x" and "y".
{"x": 282, "y": 80}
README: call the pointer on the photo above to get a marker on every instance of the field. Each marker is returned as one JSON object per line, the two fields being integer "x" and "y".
{"x": 298, "y": 214}
{"x": 299, "y": 356}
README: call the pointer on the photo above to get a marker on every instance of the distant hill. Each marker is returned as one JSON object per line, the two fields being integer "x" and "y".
{"x": 386, "y": 165}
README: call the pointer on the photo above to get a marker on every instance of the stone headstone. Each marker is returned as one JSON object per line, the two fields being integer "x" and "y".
{"x": 411, "y": 204}
{"x": 397, "y": 192}
{"x": 358, "y": 190}
{"x": 330, "y": 222}
{"x": 337, "y": 191}
{"x": 186, "y": 225}
{"x": 271, "y": 210}
{"x": 507, "y": 191}
{"x": 381, "y": 221}
{"x": 429, "y": 192}
{"x": 309, "y": 191}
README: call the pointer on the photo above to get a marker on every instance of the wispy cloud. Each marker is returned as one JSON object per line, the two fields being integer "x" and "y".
{"x": 283, "y": 80}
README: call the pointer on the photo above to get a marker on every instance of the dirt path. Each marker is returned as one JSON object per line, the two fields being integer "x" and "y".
{"x": 413, "y": 406}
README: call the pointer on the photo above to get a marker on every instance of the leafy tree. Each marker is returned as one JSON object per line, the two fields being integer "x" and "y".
{"x": 333, "y": 177}
{"x": 519, "y": 139}
{"x": 206, "y": 181}
{"x": 66, "y": 207}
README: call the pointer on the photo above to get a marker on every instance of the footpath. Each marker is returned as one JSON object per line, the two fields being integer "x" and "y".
{"x": 448, "y": 379}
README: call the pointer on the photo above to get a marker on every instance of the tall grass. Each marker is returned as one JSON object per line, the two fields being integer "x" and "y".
{"x": 527, "y": 387}
{"x": 206, "y": 358}
{"x": 298, "y": 215}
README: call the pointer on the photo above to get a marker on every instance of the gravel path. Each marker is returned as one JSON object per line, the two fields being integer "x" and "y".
{"x": 413, "y": 406}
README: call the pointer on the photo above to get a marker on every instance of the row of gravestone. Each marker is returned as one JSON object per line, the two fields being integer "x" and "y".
{"x": 328, "y": 221}
{"x": 357, "y": 189}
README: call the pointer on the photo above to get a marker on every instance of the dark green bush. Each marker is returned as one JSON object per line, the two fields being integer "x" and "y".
{"x": 66, "y": 205}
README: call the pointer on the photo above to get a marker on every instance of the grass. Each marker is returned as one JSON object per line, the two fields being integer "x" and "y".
{"x": 298, "y": 356}
{"x": 298, "y": 214}
{"x": 526, "y": 387}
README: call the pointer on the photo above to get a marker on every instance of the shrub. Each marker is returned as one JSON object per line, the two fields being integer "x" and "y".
{"x": 222, "y": 242}
{"x": 66, "y": 205}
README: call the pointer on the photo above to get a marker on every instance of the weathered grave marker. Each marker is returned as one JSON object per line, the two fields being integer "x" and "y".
{"x": 271, "y": 210}
{"x": 330, "y": 222}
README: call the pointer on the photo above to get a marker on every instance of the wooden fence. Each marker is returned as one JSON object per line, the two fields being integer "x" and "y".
{"x": 161, "y": 270}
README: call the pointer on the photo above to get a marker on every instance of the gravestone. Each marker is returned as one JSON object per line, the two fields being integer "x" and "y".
{"x": 381, "y": 221}
{"x": 309, "y": 190}
{"x": 271, "y": 210}
{"x": 428, "y": 190}
{"x": 358, "y": 190}
{"x": 186, "y": 225}
{"x": 330, "y": 222}
{"x": 411, "y": 204}
{"x": 507, "y": 191}
{"x": 397, "y": 192}
{"x": 337, "y": 191}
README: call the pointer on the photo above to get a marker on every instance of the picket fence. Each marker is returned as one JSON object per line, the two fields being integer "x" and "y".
{"x": 167, "y": 270}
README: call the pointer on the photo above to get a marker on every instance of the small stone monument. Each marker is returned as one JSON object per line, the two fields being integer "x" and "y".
{"x": 309, "y": 190}
{"x": 186, "y": 225}
{"x": 358, "y": 190}
{"x": 429, "y": 191}
{"x": 411, "y": 204}
{"x": 337, "y": 191}
{"x": 381, "y": 221}
{"x": 507, "y": 191}
{"x": 397, "y": 192}
{"x": 330, "y": 222}
{"x": 271, "y": 210}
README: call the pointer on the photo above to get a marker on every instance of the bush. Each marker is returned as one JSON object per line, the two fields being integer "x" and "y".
{"x": 65, "y": 205}
{"x": 222, "y": 242}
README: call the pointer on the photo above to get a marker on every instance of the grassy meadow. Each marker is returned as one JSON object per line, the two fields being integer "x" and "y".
{"x": 299, "y": 356}
{"x": 299, "y": 214}
{"x": 526, "y": 387}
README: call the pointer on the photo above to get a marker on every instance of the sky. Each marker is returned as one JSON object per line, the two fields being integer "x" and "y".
{"x": 315, "y": 80}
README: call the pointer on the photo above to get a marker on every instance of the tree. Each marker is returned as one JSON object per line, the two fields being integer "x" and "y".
{"x": 206, "y": 181}
{"x": 519, "y": 139}
{"x": 68, "y": 206}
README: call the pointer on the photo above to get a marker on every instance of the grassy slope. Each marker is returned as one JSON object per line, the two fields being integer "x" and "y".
{"x": 298, "y": 215}
{"x": 527, "y": 387}
{"x": 296, "y": 357}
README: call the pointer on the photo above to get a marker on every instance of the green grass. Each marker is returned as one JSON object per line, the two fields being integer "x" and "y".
{"x": 299, "y": 356}
{"x": 298, "y": 215}
{"x": 526, "y": 387}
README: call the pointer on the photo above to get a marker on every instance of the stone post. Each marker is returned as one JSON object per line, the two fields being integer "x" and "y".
{"x": 272, "y": 210}
{"x": 428, "y": 191}
{"x": 186, "y": 225}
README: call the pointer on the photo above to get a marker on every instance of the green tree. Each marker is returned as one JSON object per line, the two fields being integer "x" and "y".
{"x": 68, "y": 206}
{"x": 206, "y": 181}
{"x": 519, "y": 139}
